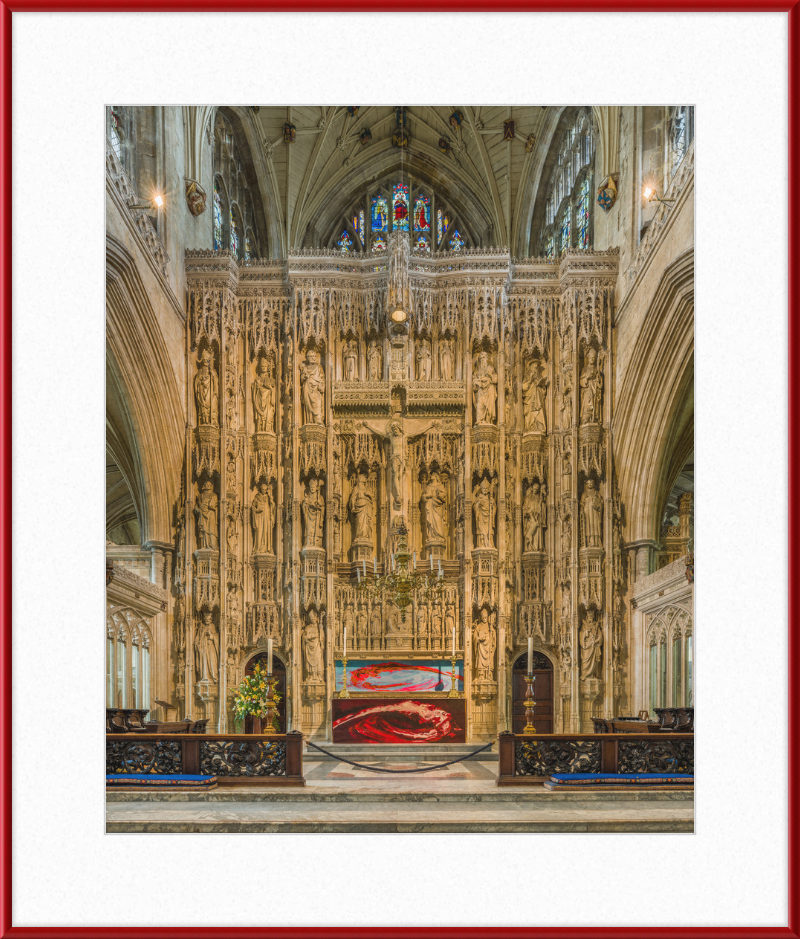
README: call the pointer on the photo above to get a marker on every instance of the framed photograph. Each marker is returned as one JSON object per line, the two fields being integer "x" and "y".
{"x": 430, "y": 431}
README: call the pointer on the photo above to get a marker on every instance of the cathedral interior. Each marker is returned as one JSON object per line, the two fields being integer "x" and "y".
{"x": 344, "y": 343}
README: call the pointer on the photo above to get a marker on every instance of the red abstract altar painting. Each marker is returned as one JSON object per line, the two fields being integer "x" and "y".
{"x": 399, "y": 720}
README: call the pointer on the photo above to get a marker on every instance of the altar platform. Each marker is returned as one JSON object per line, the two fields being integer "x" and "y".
{"x": 342, "y": 798}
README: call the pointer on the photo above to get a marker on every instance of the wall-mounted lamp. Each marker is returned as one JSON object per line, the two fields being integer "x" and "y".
{"x": 155, "y": 203}
{"x": 652, "y": 196}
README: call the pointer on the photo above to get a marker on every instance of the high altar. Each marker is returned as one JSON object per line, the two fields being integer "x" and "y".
{"x": 333, "y": 398}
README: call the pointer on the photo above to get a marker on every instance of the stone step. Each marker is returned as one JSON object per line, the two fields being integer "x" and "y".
{"x": 578, "y": 816}
{"x": 401, "y": 753}
{"x": 391, "y": 793}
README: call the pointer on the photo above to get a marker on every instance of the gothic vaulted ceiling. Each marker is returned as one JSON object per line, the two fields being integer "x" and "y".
{"x": 313, "y": 180}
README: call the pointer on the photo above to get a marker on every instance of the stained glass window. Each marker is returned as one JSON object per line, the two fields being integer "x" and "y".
{"x": 456, "y": 242}
{"x": 380, "y": 213}
{"x": 442, "y": 224}
{"x": 422, "y": 213}
{"x": 248, "y": 245}
{"x": 422, "y": 243}
{"x": 234, "y": 235}
{"x": 115, "y": 132}
{"x": 549, "y": 248}
{"x": 400, "y": 207}
{"x": 217, "y": 217}
{"x": 358, "y": 225}
{"x": 582, "y": 215}
{"x": 345, "y": 242}
{"x": 564, "y": 233}
{"x": 378, "y": 242}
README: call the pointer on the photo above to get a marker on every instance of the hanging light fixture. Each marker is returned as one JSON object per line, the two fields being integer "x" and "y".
{"x": 398, "y": 314}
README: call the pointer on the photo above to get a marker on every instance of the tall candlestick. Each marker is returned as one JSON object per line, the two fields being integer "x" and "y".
{"x": 269, "y": 657}
{"x": 530, "y": 655}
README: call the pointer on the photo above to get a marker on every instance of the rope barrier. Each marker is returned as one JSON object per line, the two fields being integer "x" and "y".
{"x": 378, "y": 769}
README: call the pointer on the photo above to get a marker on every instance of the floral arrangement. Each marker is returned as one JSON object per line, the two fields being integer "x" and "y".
{"x": 251, "y": 698}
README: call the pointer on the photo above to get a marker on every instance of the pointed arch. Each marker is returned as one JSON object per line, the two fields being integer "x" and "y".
{"x": 654, "y": 416}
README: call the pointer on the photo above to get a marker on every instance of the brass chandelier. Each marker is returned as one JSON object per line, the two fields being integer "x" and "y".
{"x": 402, "y": 581}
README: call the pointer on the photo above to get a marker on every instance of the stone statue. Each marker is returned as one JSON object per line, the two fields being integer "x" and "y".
{"x": 361, "y": 627}
{"x": 232, "y": 536}
{"x": 374, "y": 361}
{"x": 206, "y": 391}
{"x": 508, "y": 405}
{"x": 484, "y": 508}
{"x": 207, "y": 512}
{"x": 566, "y": 409}
{"x": 436, "y": 626}
{"x": 312, "y": 380}
{"x": 312, "y": 507}
{"x": 397, "y": 465}
{"x": 592, "y": 515}
{"x": 446, "y": 360}
{"x": 422, "y": 621}
{"x": 375, "y": 627}
{"x": 484, "y": 390}
{"x": 534, "y": 397}
{"x": 348, "y": 622}
{"x": 591, "y": 382}
{"x": 337, "y": 474}
{"x": 263, "y": 399}
{"x": 566, "y": 535}
{"x": 534, "y": 517}
{"x": 566, "y": 472}
{"x": 350, "y": 356}
{"x": 449, "y": 622}
{"x": 312, "y": 648}
{"x": 434, "y": 509}
{"x": 206, "y": 650}
{"x": 423, "y": 360}
{"x": 361, "y": 508}
{"x": 262, "y": 517}
{"x": 483, "y": 635}
{"x": 591, "y": 639}
{"x": 232, "y": 614}
{"x": 566, "y": 608}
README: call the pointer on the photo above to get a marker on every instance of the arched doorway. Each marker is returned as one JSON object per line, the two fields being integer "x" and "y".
{"x": 252, "y": 725}
{"x": 542, "y": 692}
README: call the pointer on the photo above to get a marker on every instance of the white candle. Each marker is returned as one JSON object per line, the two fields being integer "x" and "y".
{"x": 431, "y": 557}
{"x": 375, "y": 564}
{"x": 269, "y": 657}
{"x": 454, "y": 642}
{"x": 358, "y": 574}
{"x": 415, "y": 560}
{"x": 530, "y": 655}
{"x": 344, "y": 654}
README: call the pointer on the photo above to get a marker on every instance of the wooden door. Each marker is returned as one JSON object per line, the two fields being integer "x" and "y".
{"x": 254, "y": 725}
{"x": 542, "y": 695}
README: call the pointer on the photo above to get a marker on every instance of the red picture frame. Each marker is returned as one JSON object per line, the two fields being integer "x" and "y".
{"x": 792, "y": 930}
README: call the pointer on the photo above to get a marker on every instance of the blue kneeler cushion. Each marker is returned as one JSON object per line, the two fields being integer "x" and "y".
{"x": 139, "y": 781}
{"x": 609, "y": 782}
